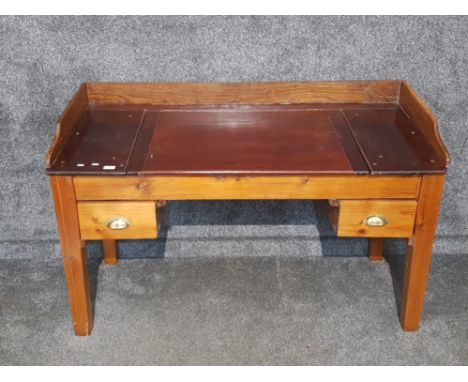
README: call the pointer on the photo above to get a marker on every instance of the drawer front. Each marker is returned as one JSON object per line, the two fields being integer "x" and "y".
{"x": 117, "y": 220}
{"x": 376, "y": 218}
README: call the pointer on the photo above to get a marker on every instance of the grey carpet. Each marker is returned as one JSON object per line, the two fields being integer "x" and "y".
{"x": 234, "y": 311}
{"x": 44, "y": 59}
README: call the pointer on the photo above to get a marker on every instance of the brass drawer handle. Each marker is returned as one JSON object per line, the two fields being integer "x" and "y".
{"x": 118, "y": 223}
{"x": 375, "y": 221}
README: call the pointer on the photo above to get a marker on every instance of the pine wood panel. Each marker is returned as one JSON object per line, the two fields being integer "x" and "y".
{"x": 376, "y": 248}
{"x": 244, "y": 188}
{"x": 110, "y": 252}
{"x": 399, "y": 214}
{"x": 94, "y": 217}
{"x": 102, "y": 142}
{"x": 243, "y": 93}
{"x": 419, "y": 252}
{"x": 392, "y": 144}
{"x": 73, "y": 253}
{"x": 424, "y": 118}
{"x": 66, "y": 123}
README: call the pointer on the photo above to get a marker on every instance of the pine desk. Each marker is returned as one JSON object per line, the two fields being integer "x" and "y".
{"x": 370, "y": 148}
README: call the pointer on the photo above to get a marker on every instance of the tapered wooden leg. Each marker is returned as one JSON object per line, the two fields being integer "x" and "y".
{"x": 110, "y": 252}
{"x": 376, "y": 249}
{"x": 73, "y": 253}
{"x": 419, "y": 252}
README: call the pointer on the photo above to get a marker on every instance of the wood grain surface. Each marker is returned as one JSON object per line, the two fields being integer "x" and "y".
{"x": 391, "y": 144}
{"x": 73, "y": 253}
{"x": 424, "y": 118}
{"x": 110, "y": 252}
{"x": 95, "y": 216}
{"x": 419, "y": 251}
{"x": 66, "y": 123}
{"x": 243, "y": 93}
{"x": 232, "y": 187}
{"x": 376, "y": 248}
{"x": 102, "y": 142}
{"x": 398, "y": 213}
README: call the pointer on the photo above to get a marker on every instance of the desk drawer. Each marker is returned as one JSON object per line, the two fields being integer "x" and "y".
{"x": 376, "y": 218}
{"x": 117, "y": 220}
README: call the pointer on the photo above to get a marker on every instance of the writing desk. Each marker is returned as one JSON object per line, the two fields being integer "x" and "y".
{"x": 370, "y": 148}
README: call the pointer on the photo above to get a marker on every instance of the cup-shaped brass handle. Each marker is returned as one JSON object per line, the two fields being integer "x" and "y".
{"x": 118, "y": 223}
{"x": 375, "y": 221}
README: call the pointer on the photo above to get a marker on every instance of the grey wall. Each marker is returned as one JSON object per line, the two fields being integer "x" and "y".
{"x": 44, "y": 59}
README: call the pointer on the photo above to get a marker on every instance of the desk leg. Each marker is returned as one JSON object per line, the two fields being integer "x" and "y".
{"x": 419, "y": 252}
{"x": 110, "y": 252}
{"x": 376, "y": 249}
{"x": 73, "y": 253}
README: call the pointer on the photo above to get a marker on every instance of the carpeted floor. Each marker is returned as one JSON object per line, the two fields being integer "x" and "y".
{"x": 241, "y": 311}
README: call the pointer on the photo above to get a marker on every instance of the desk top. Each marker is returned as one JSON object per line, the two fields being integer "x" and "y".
{"x": 138, "y": 136}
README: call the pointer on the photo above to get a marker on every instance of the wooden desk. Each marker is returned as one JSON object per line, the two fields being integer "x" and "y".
{"x": 371, "y": 148}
